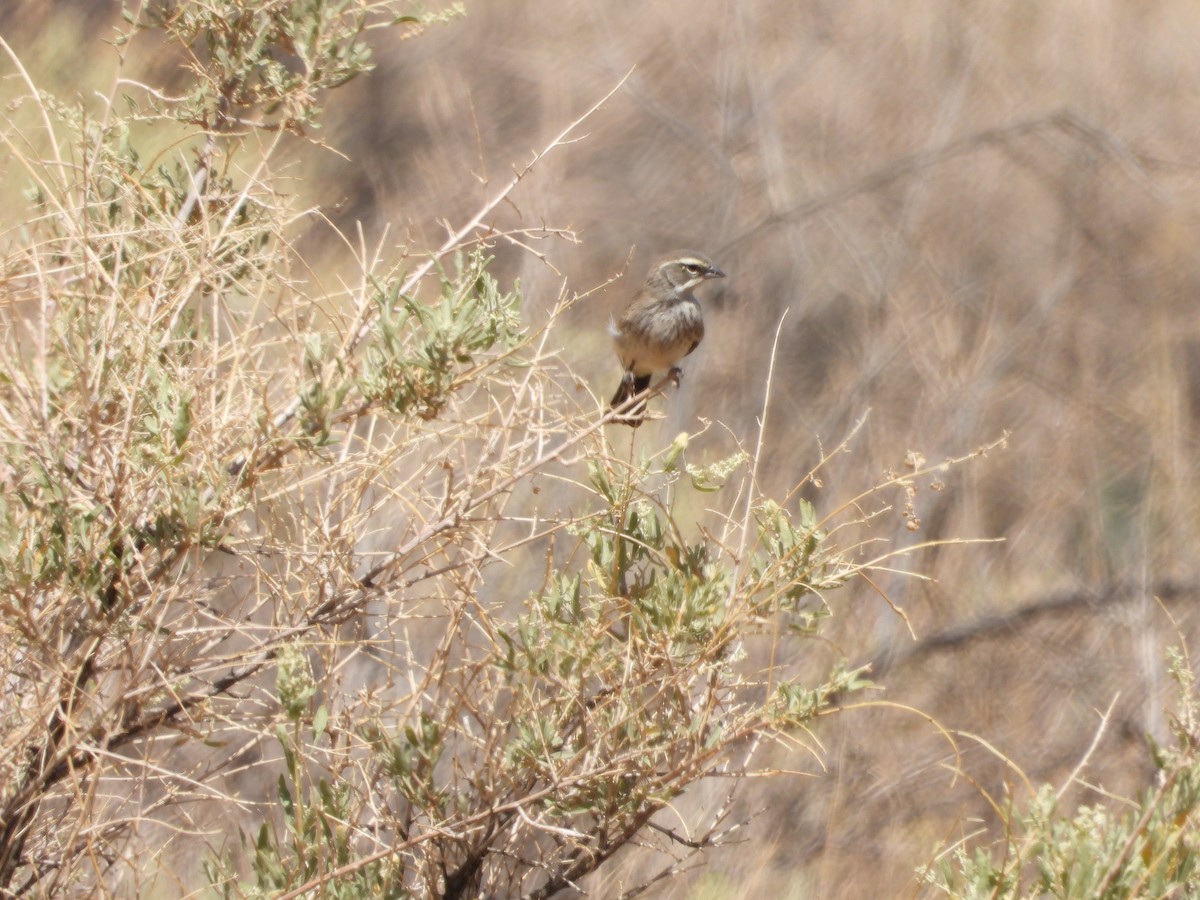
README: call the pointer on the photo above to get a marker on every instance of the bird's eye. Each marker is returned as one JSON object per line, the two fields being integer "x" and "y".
{"x": 693, "y": 268}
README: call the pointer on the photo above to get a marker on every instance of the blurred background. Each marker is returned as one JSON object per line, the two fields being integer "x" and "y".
{"x": 978, "y": 217}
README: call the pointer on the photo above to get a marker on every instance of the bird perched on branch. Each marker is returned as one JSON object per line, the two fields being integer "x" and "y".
{"x": 661, "y": 325}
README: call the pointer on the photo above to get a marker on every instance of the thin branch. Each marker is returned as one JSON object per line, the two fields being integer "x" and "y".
{"x": 451, "y": 243}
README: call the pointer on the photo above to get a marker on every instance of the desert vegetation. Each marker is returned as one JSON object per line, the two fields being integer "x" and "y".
{"x": 322, "y": 573}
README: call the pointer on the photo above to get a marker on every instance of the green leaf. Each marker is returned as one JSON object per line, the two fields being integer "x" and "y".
{"x": 285, "y": 797}
{"x": 181, "y": 426}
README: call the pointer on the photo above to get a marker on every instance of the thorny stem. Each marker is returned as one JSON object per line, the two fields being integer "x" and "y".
{"x": 450, "y": 244}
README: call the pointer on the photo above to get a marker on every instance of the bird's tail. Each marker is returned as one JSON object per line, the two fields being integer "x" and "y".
{"x": 631, "y": 385}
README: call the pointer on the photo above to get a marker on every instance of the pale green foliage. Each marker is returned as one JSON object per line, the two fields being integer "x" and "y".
{"x": 317, "y": 836}
{"x": 421, "y": 348}
{"x": 1094, "y": 853}
{"x": 144, "y": 297}
{"x": 622, "y": 683}
{"x": 712, "y": 476}
{"x": 272, "y": 61}
{"x": 294, "y": 679}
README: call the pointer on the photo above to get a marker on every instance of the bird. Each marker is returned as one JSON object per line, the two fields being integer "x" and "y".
{"x": 661, "y": 325}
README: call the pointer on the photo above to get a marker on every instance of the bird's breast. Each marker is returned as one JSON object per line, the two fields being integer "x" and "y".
{"x": 653, "y": 337}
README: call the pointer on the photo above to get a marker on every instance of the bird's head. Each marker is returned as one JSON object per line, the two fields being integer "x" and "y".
{"x": 683, "y": 271}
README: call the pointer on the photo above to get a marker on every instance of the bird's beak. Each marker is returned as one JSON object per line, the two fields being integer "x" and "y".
{"x": 714, "y": 272}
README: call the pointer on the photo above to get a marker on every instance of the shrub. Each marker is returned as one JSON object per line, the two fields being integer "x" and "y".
{"x": 253, "y": 531}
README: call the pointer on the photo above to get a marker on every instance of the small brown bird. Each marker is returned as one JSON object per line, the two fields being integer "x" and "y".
{"x": 661, "y": 325}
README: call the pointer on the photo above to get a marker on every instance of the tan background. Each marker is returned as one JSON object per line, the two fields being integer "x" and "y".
{"x": 979, "y": 217}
